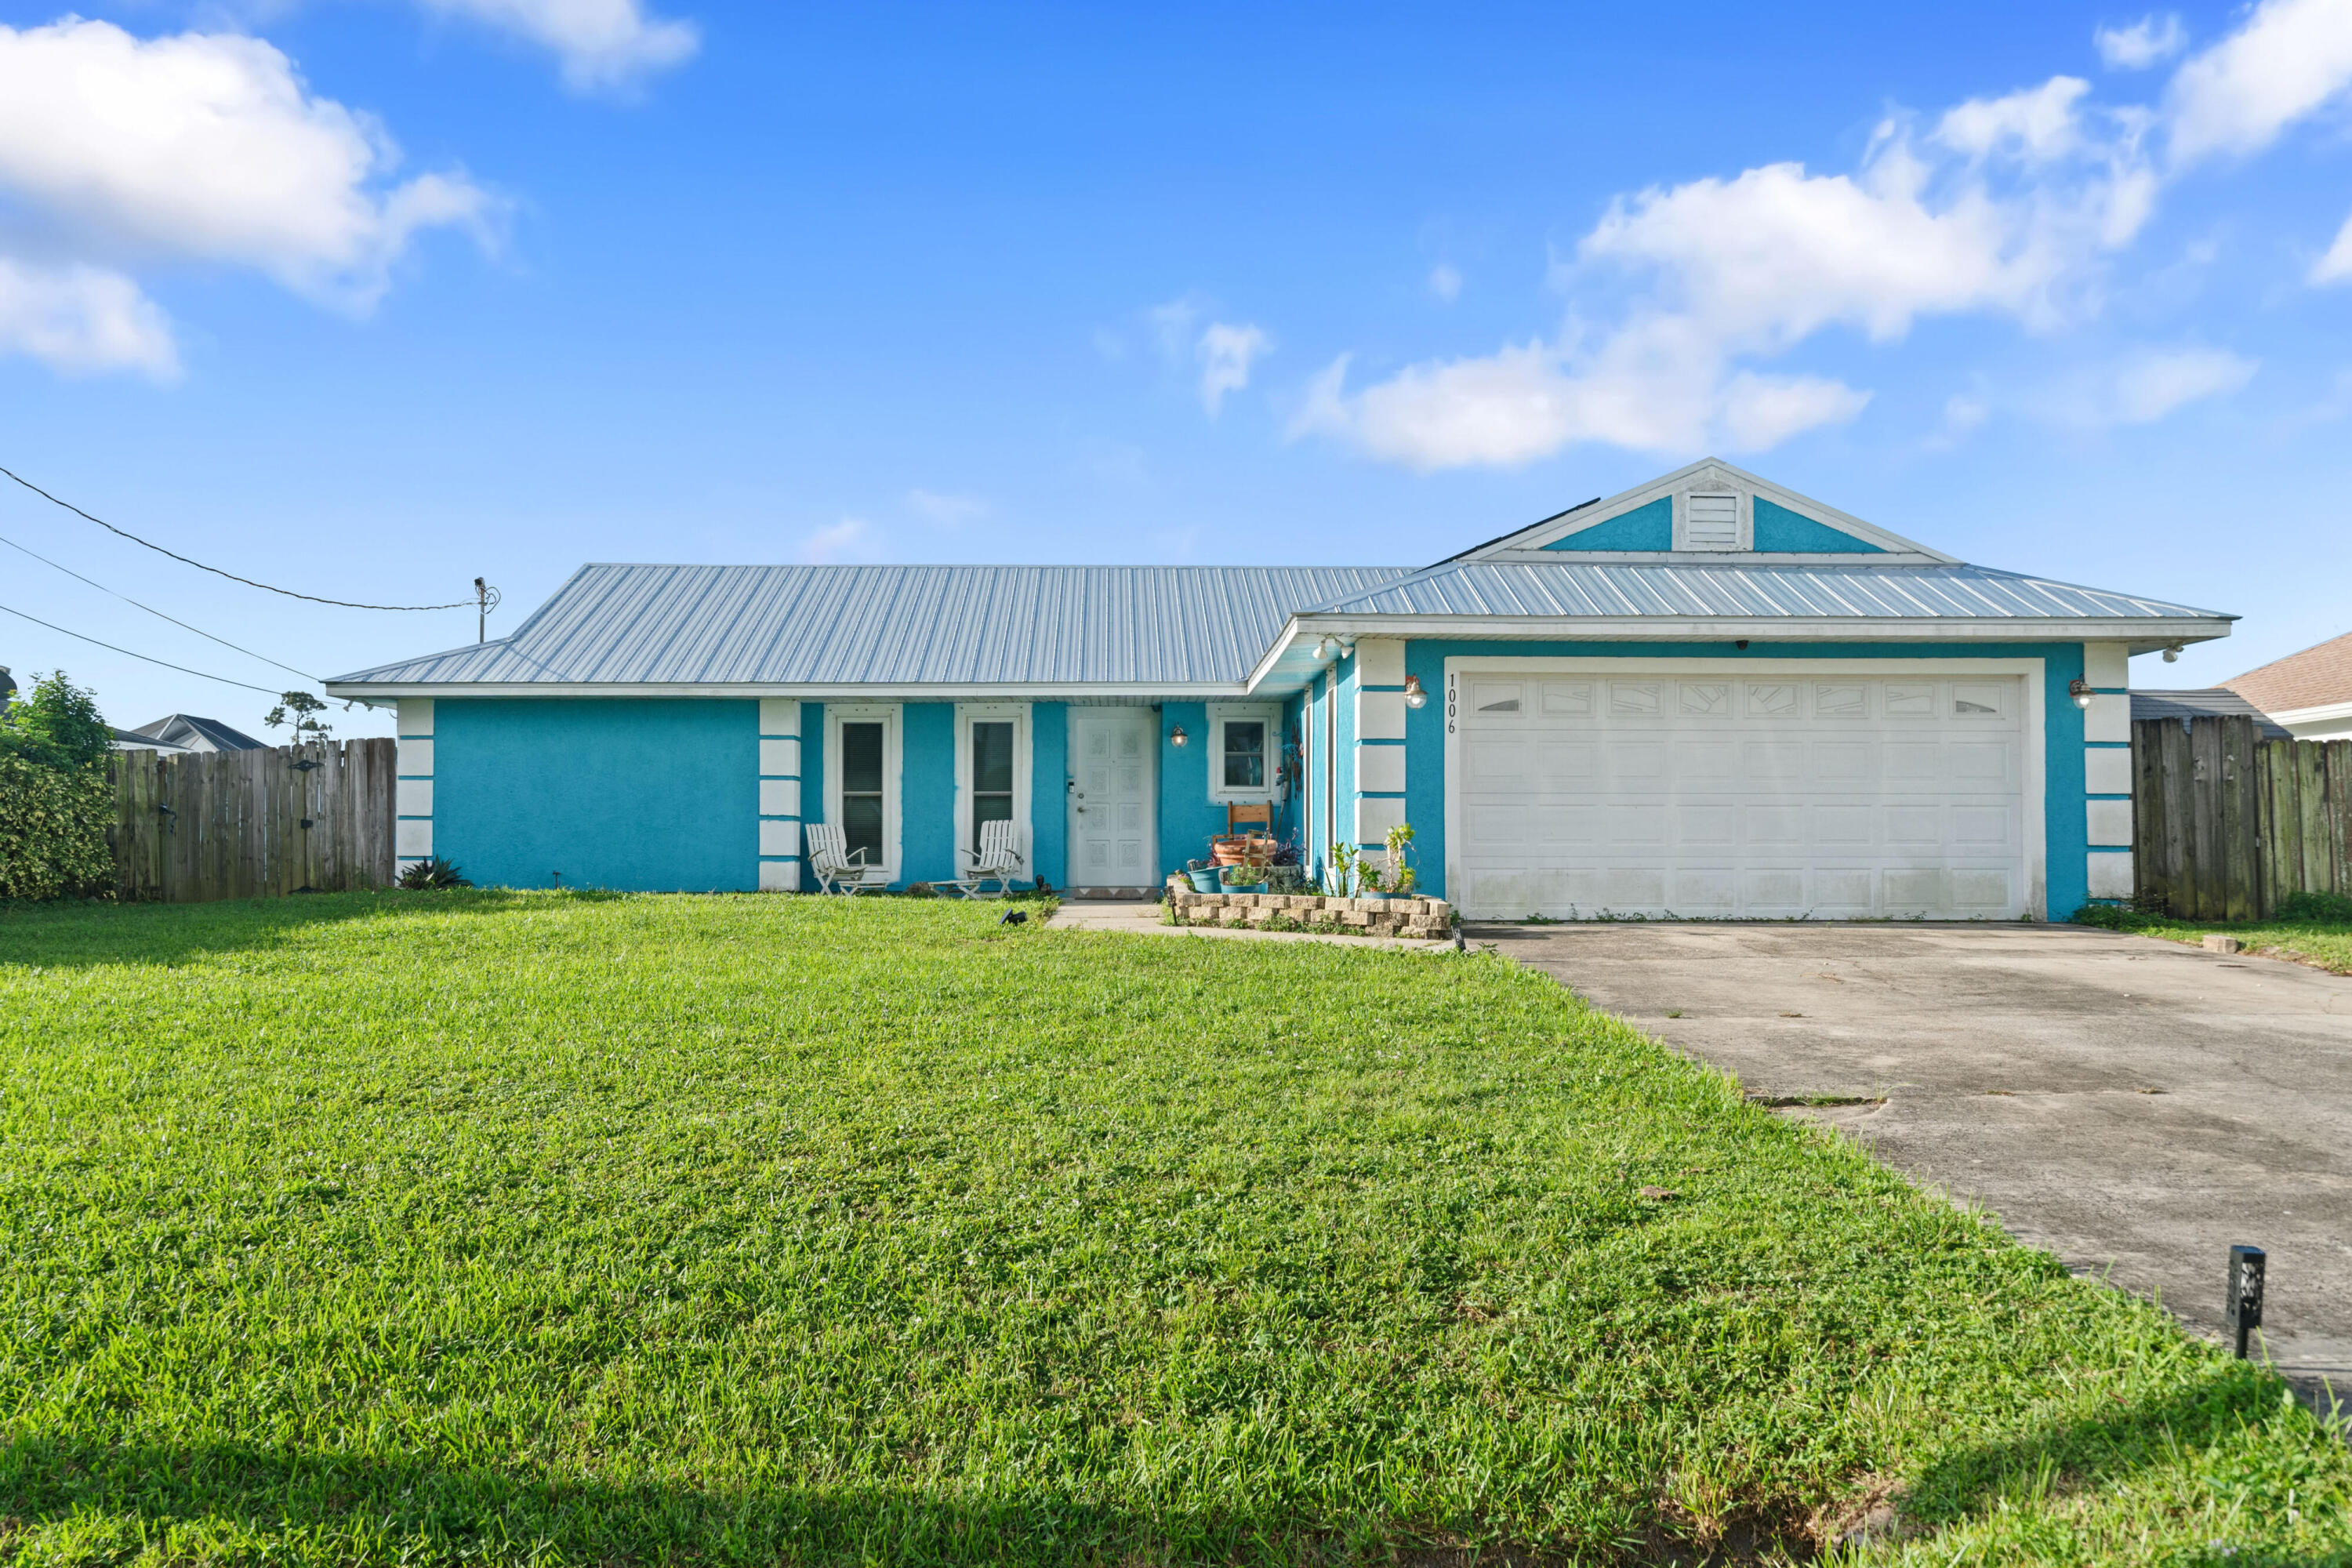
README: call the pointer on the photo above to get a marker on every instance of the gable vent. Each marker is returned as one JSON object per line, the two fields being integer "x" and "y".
{"x": 1714, "y": 523}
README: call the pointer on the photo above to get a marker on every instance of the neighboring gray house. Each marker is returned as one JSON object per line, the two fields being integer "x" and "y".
{"x": 186, "y": 733}
{"x": 2205, "y": 702}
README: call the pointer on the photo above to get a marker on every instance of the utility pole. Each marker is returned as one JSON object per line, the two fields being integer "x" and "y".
{"x": 486, "y": 599}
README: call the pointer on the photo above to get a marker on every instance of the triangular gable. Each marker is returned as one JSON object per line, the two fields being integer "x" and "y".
{"x": 1710, "y": 511}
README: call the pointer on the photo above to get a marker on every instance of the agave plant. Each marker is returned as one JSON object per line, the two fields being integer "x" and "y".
{"x": 433, "y": 873}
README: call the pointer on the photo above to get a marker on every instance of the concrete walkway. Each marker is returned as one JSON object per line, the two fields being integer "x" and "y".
{"x": 1145, "y": 919}
{"x": 2133, "y": 1106}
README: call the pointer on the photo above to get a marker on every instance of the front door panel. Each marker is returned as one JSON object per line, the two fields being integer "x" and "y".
{"x": 1113, "y": 829}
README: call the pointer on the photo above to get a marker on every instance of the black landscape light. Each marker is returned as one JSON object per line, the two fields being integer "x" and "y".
{"x": 2245, "y": 1294}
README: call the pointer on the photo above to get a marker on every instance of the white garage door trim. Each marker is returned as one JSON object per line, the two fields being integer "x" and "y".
{"x": 2035, "y": 826}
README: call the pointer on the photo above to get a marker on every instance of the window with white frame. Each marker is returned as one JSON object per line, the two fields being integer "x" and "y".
{"x": 861, "y": 779}
{"x": 991, "y": 770}
{"x": 1245, "y": 751}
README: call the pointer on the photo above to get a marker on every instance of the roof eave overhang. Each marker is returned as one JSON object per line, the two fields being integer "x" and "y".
{"x": 1279, "y": 665}
{"x": 806, "y": 691}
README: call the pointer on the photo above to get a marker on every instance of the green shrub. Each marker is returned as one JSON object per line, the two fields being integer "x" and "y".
{"x": 56, "y": 802}
{"x": 2114, "y": 917}
{"x": 2316, "y": 907}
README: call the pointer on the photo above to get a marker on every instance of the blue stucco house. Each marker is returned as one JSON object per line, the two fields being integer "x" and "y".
{"x": 1708, "y": 696}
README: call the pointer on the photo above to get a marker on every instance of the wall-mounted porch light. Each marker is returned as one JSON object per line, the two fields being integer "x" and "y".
{"x": 1414, "y": 697}
{"x": 1177, "y": 737}
{"x": 2080, "y": 690}
{"x": 1325, "y": 646}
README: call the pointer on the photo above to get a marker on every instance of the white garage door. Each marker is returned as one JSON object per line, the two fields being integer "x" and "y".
{"x": 1821, "y": 796}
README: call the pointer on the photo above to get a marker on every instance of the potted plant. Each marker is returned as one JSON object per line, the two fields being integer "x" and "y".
{"x": 1202, "y": 875}
{"x": 1243, "y": 876}
{"x": 1392, "y": 878}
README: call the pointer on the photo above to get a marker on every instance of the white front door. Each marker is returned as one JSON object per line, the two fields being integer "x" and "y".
{"x": 1742, "y": 793}
{"x": 1113, "y": 830}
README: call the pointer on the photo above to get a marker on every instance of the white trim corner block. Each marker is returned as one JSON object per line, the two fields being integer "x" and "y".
{"x": 2107, "y": 770}
{"x": 2107, "y": 665}
{"x": 413, "y": 716}
{"x": 780, "y": 758}
{"x": 413, "y": 759}
{"x": 781, "y": 797}
{"x": 780, "y": 840}
{"x": 780, "y": 876}
{"x": 412, "y": 797}
{"x": 2110, "y": 873}
{"x": 2109, "y": 718}
{"x": 1380, "y": 715}
{"x": 780, "y": 716}
{"x": 1380, "y": 661}
{"x": 412, "y": 838}
{"x": 1375, "y": 814}
{"x": 1379, "y": 770}
{"x": 2109, "y": 823}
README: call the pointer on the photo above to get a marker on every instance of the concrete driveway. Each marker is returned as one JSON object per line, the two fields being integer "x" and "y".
{"x": 2131, "y": 1105}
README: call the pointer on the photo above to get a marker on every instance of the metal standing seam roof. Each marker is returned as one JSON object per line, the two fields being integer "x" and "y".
{"x": 1168, "y": 626}
{"x": 1746, "y": 591}
{"x": 885, "y": 625}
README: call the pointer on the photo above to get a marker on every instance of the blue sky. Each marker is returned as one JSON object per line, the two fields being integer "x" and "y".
{"x": 368, "y": 299}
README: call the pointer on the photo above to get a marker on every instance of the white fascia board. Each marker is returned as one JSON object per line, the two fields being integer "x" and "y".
{"x": 929, "y": 692}
{"x": 2323, "y": 712}
{"x": 1517, "y": 545}
{"x": 1564, "y": 556}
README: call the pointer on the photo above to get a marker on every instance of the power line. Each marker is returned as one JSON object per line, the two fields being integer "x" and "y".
{"x": 153, "y": 611}
{"x": 167, "y": 664}
{"x": 340, "y": 603}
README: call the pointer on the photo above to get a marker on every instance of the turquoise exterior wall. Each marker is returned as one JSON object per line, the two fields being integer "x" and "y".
{"x": 1188, "y": 818}
{"x": 1650, "y": 527}
{"x": 639, "y": 793}
{"x": 1049, "y": 792}
{"x": 2065, "y": 832}
{"x": 1778, "y": 529}
{"x": 927, "y": 794}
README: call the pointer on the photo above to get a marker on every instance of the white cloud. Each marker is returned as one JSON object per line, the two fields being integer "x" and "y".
{"x": 207, "y": 148}
{"x": 2038, "y": 124}
{"x": 1445, "y": 282}
{"x": 1225, "y": 352}
{"x": 603, "y": 43}
{"x": 2336, "y": 266}
{"x": 1222, "y": 351}
{"x": 2290, "y": 58}
{"x": 947, "y": 511}
{"x": 83, "y": 319}
{"x": 848, "y": 539}
{"x": 2006, "y": 208}
{"x": 2145, "y": 42}
{"x": 2151, "y": 385}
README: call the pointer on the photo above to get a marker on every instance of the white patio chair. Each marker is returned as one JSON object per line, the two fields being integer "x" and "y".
{"x": 997, "y": 861}
{"x": 836, "y": 867}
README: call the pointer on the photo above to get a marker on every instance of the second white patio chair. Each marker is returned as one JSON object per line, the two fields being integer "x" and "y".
{"x": 998, "y": 860}
{"x": 836, "y": 867}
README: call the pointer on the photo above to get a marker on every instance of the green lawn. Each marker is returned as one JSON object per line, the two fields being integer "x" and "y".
{"x": 2323, "y": 943}
{"x": 539, "y": 1228}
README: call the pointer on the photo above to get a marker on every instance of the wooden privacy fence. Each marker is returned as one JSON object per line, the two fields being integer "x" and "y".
{"x": 2227, "y": 825}
{"x": 201, "y": 825}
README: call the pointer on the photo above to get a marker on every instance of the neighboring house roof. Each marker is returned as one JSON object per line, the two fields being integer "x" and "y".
{"x": 132, "y": 741}
{"x": 2208, "y": 702}
{"x": 1754, "y": 560}
{"x": 2319, "y": 676}
{"x": 186, "y": 732}
{"x": 1165, "y": 628}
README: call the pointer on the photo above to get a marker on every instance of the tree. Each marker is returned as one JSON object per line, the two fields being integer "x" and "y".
{"x": 57, "y": 725}
{"x": 297, "y": 708}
